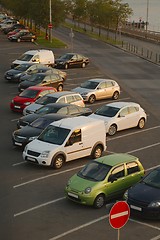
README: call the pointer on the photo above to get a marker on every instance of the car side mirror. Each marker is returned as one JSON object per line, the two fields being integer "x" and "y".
{"x": 112, "y": 178}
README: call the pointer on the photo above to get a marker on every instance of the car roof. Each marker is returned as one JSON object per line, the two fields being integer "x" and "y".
{"x": 122, "y": 104}
{"x": 100, "y": 80}
{"x": 54, "y": 116}
{"x": 62, "y": 93}
{"x": 115, "y": 159}
{"x": 40, "y": 88}
{"x": 59, "y": 105}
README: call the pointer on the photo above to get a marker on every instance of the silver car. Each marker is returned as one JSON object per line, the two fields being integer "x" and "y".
{"x": 96, "y": 89}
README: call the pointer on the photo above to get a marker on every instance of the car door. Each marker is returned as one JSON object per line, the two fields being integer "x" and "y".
{"x": 46, "y": 81}
{"x": 74, "y": 61}
{"x": 110, "y": 89}
{"x": 134, "y": 115}
{"x": 123, "y": 119}
{"x": 100, "y": 91}
{"x": 115, "y": 181}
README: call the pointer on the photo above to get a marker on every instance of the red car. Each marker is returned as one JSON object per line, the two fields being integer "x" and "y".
{"x": 29, "y": 96}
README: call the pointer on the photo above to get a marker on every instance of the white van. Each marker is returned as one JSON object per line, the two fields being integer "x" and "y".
{"x": 67, "y": 139}
{"x": 42, "y": 56}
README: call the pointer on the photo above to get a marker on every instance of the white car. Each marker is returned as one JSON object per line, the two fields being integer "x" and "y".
{"x": 97, "y": 89}
{"x": 57, "y": 97}
{"x": 121, "y": 115}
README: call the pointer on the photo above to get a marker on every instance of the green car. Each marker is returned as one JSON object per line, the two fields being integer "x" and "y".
{"x": 103, "y": 179}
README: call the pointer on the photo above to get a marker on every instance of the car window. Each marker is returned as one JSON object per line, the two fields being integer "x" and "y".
{"x": 124, "y": 112}
{"x": 70, "y": 99}
{"x": 133, "y": 109}
{"x": 63, "y": 110}
{"x": 47, "y": 79}
{"x": 117, "y": 172}
{"x": 73, "y": 109}
{"x": 54, "y": 77}
{"x": 43, "y": 93}
{"x": 102, "y": 85}
{"x": 132, "y": 167}
{"x": 75, "y": 137}
{"x": 61, "y": 100}
{"x": 110, "y": 84}
{"x": 77, "y": 98}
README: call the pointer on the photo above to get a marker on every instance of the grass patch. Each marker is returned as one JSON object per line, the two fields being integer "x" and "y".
{"x": 56, "y": 43}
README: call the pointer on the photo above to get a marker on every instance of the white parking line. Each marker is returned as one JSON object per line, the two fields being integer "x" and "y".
{"x": 155, "y": 238}
{"x": 99, "y": 103}
{"x": 38, "y": 206}
{"x": 88, "y": 77}
{"x": 50, "y": 175}
{"x": 140, "y": 149}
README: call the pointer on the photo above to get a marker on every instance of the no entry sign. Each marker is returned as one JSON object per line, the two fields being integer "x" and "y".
{"x": 119, "y": 214}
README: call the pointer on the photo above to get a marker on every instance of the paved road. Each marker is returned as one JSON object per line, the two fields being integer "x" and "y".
{"x": 32, "y": 201}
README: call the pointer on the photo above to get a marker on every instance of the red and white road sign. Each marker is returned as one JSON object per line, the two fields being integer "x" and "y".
{"x": 50, "y": 25}
{"x": 119, "y": 214}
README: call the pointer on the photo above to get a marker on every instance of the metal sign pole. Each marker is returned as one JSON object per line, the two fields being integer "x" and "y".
{"x": 50, "y": 19}
{"x": 118, "y": 234}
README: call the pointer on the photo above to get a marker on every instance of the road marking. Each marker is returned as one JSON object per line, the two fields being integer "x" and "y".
{"x": 16, "y": 164}
{"x": 129, "y": 134}
{"x": 155, "y": 238}
{"x": 99, "y": 103}
{"x": 119, "y": 214}
{"x": 50, "y": 175}
{"x": 88, "y": 77}
{"x": 140, "y": 149}
{"x": 38, "y": 206}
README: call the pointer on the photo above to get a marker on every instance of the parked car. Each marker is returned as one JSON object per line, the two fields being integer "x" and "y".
{"x": 29, "y": 96}
{"x": 97, "y": 89}
{"x": 13, "y": 32}
{"x": 104, "y": 179}
{"x": 57, "y": 108}
{"x": 58, "y": 97}
{"x": 43, "y": 69}
{"x": 70, "y": 60}
{"x": 121, "y": 115}
{"x": 42, "y": 79}
{"x": 30, "y": 132}
{"x": 144, "y": 197}
{"x": 23, "y": 37}
{"x": 12, "y": 27}
{"x": 14, "y": 74}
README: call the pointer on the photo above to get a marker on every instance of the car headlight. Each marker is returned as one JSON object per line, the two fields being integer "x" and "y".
{"x": 45, "y": 154}
{"x": 154, "y": 204}
{"x": 12, "y": 101}
{"x": 27, "y": 103}
{"x": 25, "y": 149}
{"x": 68, "y": 183}
{"x": 88, "y": 190}
{"x": 32, "y": 138}
{"x": 125, "y": 196}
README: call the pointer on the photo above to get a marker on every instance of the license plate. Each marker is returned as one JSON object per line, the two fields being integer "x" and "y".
{"x": 73, "y": 195}
{"x": 8, "y": 77}
{"x": 17, "y": 107}
{"x": 31, "y": 159}
{"x": 136, "y": 208}
{"x": 18, "y": 144}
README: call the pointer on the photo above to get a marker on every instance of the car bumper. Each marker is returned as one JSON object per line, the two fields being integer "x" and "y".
{"x": 80, "y": 197}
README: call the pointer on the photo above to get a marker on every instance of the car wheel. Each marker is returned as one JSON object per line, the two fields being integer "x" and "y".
{"x": 141, "y": 123}
{"x": 58, "y": 161}
{"x": 112, "y": 130}
{"x": 66, "y": 66}
{"x": 97, "y": 152}
{"x": 99, "y": 201}
{"x": 60, "y": 88}
{"x": 92, "y": 98}
{"x": 115, "y": 95}
{"x": 18, "y": 40}
{"x": 83, "y": 65}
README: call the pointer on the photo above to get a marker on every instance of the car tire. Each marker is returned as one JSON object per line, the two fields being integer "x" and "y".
{"x": 97, "y": 152}
{"x": 60, "y": 88}
{"x": 18, "y": 40}
{"x": 83, "y": 65}
{"x": 115, "y": 95}
{"x": 92, "y": 99}
{"x": 99, "y": 201}
{"x": 141, "y": 123}
{"x": 112, "y": 130}
{"x": 66, "y": 66}
{"x": 58, "y": 161}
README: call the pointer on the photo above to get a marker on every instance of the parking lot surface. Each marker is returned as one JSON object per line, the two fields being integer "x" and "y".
{"x": 33, "y": 205}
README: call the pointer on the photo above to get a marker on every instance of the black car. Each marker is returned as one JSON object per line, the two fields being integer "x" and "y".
{"x": 16, "y": 73}
{"x": 42, "y": 79}
{"x": 23, "y": 37}
{"x": 144, "y": 197}
{"x": 57, "y": 108}
{"x": 15, "y": 26}
{"x": 28, "y": 133}
{"x": 70, "y": 60}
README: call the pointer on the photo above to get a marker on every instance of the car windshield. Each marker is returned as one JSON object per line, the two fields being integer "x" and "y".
{"x": 36, "y": 78}
{"x": 47, "y": 109}
{"x": 66, "y": 57}
{"x": 22, "y": 67}
{"x": 41, "y": 123}
{"x": 89, "y": 85}
{"x": 153, "y": 179}
{"x": 46, "y": 99}
{"x": 107, "y": 111}
{"x": 94, "y": 171}
{"x": 54, "y": 135}
{"x": 29, "y": 93}
{"x": 25, "y": 57}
